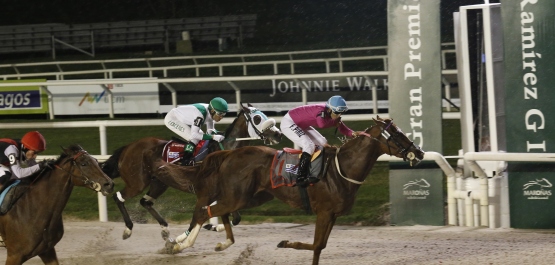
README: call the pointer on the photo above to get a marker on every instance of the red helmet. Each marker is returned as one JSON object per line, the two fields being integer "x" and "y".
{"x": 34, "y": 141}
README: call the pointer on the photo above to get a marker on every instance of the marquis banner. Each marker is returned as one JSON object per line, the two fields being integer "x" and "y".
{"x": 414, "y": 52}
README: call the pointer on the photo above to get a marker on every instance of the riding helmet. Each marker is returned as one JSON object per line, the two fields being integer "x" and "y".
{"x": 34, "y": 141}
{"x": 337, "y": 104}
{"x": 218, "y": 104}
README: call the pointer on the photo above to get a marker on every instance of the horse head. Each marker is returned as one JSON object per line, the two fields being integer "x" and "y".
{"x": 395, "y": 142}
{"x": 260, "y": 126}
{"x": 85, "y": 170}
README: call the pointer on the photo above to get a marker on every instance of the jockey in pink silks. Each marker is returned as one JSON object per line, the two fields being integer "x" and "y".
{"x": 299, "y": 123}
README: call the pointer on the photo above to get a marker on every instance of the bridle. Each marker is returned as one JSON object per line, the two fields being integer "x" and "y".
{"x": 250, "y": 123}
{"x": 86, "y": 180}
{"x": 404, "y": 151}
{"x": 392, "y": 137}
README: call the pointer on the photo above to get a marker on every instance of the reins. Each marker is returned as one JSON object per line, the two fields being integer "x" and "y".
{"x": 86, "y": 180}
{"x": 403, "y": 150}
{"x": 337, "y": 162}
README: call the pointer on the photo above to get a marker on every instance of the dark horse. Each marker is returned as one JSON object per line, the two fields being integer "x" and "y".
{"x": 225, "y": 177}
{"x": 134, "y": 163}
{"x": 34, "y": 225}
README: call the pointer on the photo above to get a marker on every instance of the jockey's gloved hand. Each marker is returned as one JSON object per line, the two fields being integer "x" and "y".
{"x": 218, "y": 138}
{"x": 47, "y": 163}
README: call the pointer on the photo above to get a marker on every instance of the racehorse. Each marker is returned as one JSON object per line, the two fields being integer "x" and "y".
{"x": 134, "y": 163}
{"x": 34, "y": 225}
{"x": 225, "y": 177}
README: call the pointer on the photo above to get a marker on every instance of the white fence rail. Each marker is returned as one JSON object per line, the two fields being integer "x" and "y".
{"x": 108, "y": 69}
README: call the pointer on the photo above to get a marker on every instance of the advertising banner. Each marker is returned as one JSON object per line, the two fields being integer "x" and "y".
{"x": 414, "y": 51}
{"x": 93, "y": 99}
{"x": 284, "y": 94}
{"x": 417, "y": 197}
{"x": 23, "y": 100}
{"x": 529, "y": 54}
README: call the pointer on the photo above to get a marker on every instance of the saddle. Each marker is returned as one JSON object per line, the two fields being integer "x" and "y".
{"x": 9, "y": 196}
{"x": 286, "y": 164}
{"x": 173, "y": 151}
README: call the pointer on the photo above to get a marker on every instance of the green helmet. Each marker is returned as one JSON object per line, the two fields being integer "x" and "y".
{"x": 218, "y": 104}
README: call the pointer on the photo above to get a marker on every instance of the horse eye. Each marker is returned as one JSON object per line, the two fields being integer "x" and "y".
{"x": 257, "y": 119}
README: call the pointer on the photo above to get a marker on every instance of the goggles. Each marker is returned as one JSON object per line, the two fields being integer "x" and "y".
{"x": 221, "y": 114}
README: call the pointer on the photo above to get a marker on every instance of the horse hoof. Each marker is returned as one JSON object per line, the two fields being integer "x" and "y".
{"x": 209, "y": 227}
{"x": 282, "y": 244}
{"x": 127, "y": 233}
{"x": 169, "y": 246}
{"x": 218, "y": 247}
{"x": 165, "y": 233}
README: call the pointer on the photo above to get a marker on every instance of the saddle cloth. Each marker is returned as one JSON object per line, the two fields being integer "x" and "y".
{"x": 8, "y": 197}
{"x": 173, "y": 151}
{"x": 286, "y": 164}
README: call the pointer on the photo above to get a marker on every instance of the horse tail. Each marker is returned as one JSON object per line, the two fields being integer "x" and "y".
{"x": 111, "y": 167}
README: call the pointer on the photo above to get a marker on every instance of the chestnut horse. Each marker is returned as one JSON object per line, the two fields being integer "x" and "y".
{"x": 34, "y": 225}
{"x": 134, "y": 163}
{"x": 225, "y": 177}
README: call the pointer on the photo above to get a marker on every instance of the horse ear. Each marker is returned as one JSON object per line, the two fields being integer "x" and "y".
{"x": 249, "y": 104}
{"x": 66, "y": 151}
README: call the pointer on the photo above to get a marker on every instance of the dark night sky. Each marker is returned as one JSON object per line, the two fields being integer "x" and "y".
{"x": 284, "y": 21}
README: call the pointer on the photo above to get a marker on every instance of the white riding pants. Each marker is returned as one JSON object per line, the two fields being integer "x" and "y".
{"x": 306, "y": 139}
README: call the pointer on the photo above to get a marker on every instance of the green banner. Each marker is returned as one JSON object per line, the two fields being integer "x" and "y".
{"x": 528, "y": 30}
{"x": 417, "y": 196}
{"x": 529, "y": 27}
{"x": 415, "y": 70}
{"x": 23, "y": 100}
{"x": 532, "y": 195}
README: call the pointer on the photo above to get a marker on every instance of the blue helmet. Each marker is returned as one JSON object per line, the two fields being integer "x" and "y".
{"x": 337, "y": 104}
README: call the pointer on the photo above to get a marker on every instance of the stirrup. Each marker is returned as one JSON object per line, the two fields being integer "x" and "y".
{"x": 313, "y": 180}
{"x": 302, "y": 182}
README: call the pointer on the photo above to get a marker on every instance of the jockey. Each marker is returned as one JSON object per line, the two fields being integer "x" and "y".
{"x": 298, "y": 125}
{"x": 186, "y": 121}
{"x": 17, "y": 157}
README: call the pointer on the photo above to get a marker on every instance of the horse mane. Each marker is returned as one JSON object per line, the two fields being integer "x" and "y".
{"x": 212, "y": 162}
{"x": 73, "y": 148}
{"x": 232, "y": 125}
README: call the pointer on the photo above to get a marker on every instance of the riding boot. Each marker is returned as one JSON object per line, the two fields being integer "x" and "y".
{"x": 302, "y": 172}
{"x": 187, "y": 159}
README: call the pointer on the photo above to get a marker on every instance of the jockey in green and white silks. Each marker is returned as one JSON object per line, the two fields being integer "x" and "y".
{"x": 187, "y": 120}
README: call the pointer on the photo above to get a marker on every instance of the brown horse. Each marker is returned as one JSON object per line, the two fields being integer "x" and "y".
{"x": 134, "y": 163}
{"x": 225, "y": 177}
{"x": 34, "y": 225}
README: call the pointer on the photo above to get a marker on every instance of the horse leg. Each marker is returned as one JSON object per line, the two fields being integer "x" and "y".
{"x": 157, "y": 188}
{"x": 49, "y": 257}
{"x": 201, "y": 214}
{"x": 219, "y": 228}
{"x": 324, "y": 225}
{"x": 120, "y": 197}
{"x": 230, "y": 240}
{"x": 257, "y": 200}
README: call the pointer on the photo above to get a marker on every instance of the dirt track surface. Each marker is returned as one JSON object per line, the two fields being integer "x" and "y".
{"x": 96, "y": 243}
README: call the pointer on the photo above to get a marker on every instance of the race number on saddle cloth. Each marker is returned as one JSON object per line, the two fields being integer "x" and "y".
{"x": 173, "y": 151}
{"x": 286, "y": 164}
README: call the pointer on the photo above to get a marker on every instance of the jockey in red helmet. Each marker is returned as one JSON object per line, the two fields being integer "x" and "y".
{"x": 17, "y": 157}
